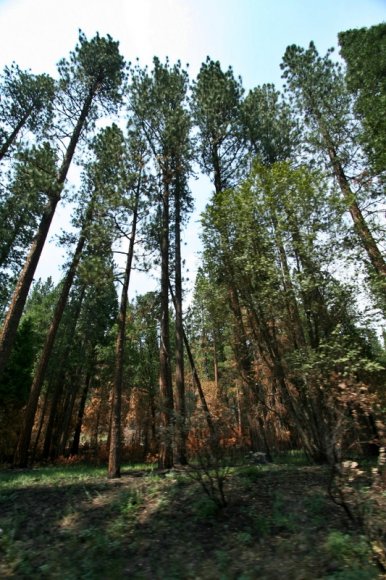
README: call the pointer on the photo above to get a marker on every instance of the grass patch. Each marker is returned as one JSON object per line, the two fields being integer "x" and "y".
{"x": 293, "y": 457}
{"x": 71, "y": 522}
{"x": 14, "y": 478}
{"x": 204, "y": 507}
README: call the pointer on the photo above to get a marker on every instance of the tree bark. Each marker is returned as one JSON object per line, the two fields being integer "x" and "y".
{"x": 79, "y": 419}
{"x": 360, "y": 225}
{"x": 47, "y": 350}
{"x": 196, "y": 378}
{"x": 114, "y": 469}
{"x": 64, "y": 423}
{"x": 63, "y": 358}
{"x": 165, "y": 378}
{"x": 180, "y": 375}
{"x": 15, "y": 311}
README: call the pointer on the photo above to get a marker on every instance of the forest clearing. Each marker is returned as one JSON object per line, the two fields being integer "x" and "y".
{"x": 71, "y": 522}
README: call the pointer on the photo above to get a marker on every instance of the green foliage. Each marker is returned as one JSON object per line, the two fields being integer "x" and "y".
{"x": 266, "y": 241}
{"x": 204, "y": 508}
{"x": 26, "y": 102}
{"x": 353, "y": 574}
{"x": 147, "y": 522}
{"x": 142, "y": 343}
{"x": 274, "y": 330}
{"x": 130, "y": 503}
{"x": 53, "y": 475}
{"x": 158, "y": 102}
{"x": 262, "y": 526}
{"x": 32, "y": 182}
{"x": 352, "y": 553}
{"x": 16, "y": 380}
{"x": 216, "y": 110}
{"x": 244, "y": 537}
{"x": 251, "y": 473}
{"x": 15, "y": 386}
{"x": 99, "y": 60}
{"x": 293, "y": 457}
{"x": 39, "y": 309}
{"x": 210, "y": 468}
{"x": 317, "y": 86}
{"x": 282, "y": 518}
{"x": 316, "y": 505}
{"x": 268, "y": 129}
{"x": 95, "y": 65}
{"x": 364, "y": 51}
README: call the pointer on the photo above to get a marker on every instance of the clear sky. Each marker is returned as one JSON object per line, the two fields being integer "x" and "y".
{"x": 249, "y": 35}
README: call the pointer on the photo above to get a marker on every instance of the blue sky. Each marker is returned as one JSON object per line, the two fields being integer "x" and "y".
{"x": 250, "y": 35}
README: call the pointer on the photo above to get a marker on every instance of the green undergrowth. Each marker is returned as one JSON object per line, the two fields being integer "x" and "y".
{"x": 73, "y": 523}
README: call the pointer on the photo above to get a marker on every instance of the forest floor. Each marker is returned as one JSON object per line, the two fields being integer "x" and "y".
{"x": 72, "y": 523}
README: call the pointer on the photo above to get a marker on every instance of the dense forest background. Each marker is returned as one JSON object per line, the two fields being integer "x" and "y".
{"x": 281, "y": 344}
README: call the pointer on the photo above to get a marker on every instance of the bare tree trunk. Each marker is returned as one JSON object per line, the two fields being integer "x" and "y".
{"x": 216, "y": 369}
{"x": 40, "y": 423}
{"x": 114, "y": 469}
{"x": 217, "y": 173}
{"x": 196, "y": 378}
{"x": 360, "y": 225}
{"x": 79, "y": 420}
{"x": 165, "y": 378}
{"x": 65, "y": 422}
{"x": 298, "y": 412}
{"x": 180, "y": 374}
{"x": 59, "y": 384}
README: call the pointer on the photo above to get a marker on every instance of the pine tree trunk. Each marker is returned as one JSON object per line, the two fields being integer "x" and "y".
{"x": 360, "y": 225}
{"x": 40, "y": 423}
{"x": 165, "y": 378}
{"x": 218, "y": 183}
{"x": 38, "y": 380}
{"x": 79, "y": 419}
{"x": 15, "y": 311}
{"x": 196, "y": 378}
{"x": 180, "y": 378}
{"x": 58, "y": 390}
{"x": 114, "y": 469}
{"x": 63, "y": 433}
